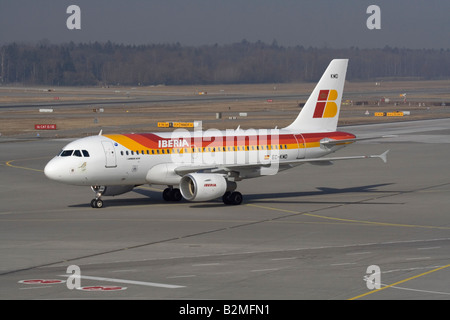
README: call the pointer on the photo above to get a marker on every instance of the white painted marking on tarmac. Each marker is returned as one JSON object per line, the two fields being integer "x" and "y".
{"x": 356, "y": 253}
{"x": 342, "y": 264}
{"x": 140, "y": 283}
{"x": 418, "y": 258}
{"x": 428, "y": 248}
{"x": 281, "y": 259}
{"x": 186, "y": 276}
{"x": 410, "y": 269}
{"x": 206, "y": 264}
{"x": 419, "y": 290}
{"x": 263, "y": 270}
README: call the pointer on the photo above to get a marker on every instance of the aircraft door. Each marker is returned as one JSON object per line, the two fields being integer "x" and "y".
{"x": 110, "y": 154}
{"x": 301, "y": 146}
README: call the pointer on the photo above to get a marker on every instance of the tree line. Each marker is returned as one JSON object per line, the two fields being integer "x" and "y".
{"x": 173, "y": 64}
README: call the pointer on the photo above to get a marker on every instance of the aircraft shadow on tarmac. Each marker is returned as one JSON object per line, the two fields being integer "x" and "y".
{"x": 287, "y": 197}
{"x": 154, "y": 197}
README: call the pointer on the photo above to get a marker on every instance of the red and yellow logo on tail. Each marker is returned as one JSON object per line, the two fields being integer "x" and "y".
{"x": 325, "y": 106}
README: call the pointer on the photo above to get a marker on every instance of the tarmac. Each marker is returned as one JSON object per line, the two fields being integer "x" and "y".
{"x": 356, "y": 230}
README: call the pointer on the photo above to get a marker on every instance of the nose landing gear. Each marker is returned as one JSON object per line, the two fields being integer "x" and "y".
{"x": 97, "y": 202}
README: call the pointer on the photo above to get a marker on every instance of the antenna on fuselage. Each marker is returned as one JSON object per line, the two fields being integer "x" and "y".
{"x": 100, "y": 133}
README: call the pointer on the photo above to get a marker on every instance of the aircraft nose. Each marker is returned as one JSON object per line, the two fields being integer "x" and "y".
{"x": 52, "y": 170}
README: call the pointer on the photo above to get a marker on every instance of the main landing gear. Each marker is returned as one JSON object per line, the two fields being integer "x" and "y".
{"x": 97, "y": 202}
{"x": 232, "y": 198}
{"x": 172, "y": 194}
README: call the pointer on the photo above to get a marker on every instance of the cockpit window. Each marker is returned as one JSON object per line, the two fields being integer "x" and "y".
{"x": 76, "y": 153}
{"x": 66, "y": 153}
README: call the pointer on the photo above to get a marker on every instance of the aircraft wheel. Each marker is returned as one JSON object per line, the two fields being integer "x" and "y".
{"x": 232, "y": 198}
{"x": 167, "y": 194}
{"x": 226, "y": 198}
{"x": 172, "y": 194}
{"x": 176, "y": 195}
{"x": 97, "y": 203}
{"x": 236, "y": 198}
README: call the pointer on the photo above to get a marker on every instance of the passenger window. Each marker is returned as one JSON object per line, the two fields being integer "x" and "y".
{"x": 66, "y": 153}
{"x": 85, "y": 153}
{"x": 77, "y": 153}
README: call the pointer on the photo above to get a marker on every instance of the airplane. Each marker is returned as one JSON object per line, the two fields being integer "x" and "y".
{"x": 206, "y": 165}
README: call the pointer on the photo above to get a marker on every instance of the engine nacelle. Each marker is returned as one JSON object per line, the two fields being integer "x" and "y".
{"x": 112, "y": 190}
{"x": 204, "y": 186}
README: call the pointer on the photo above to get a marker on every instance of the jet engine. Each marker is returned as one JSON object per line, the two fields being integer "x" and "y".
{"x": 204, "y": 186}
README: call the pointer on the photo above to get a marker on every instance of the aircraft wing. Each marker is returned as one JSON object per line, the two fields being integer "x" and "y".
{"x": 182, "y": 170}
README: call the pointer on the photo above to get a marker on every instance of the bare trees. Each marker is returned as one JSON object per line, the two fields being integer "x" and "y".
{"x": 171, "y": 64}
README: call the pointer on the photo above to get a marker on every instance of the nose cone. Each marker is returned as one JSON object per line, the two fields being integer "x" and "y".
{"x": 52, "y": 170}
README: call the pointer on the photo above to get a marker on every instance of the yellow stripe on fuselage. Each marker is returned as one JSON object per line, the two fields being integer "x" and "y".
{"x": 126, "y": 142}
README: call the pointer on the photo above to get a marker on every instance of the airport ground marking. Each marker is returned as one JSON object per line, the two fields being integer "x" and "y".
{"x": 362, "y": 222}
{"x": 141, "y": 283}
{"x": 8, "y": 163}
{"x": 399, "y": 282}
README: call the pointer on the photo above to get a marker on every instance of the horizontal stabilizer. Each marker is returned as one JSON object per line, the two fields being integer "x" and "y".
{"x": 331, "y": 142}
{"x": 382, "y": 156}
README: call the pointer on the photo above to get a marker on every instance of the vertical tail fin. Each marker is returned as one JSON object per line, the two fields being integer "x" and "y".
{"x": 321, "y": 111}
